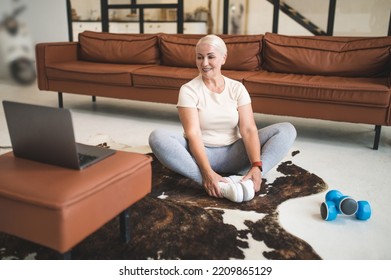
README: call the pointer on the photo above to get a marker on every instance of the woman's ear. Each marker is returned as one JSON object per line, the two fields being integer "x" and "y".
{"x": 224, "y": 59}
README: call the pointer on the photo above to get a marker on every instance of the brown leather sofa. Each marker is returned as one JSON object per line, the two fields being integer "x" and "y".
{"x": 343, "y": 79}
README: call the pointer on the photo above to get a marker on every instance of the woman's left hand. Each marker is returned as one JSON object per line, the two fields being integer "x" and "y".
{"x": 255, "y": 175}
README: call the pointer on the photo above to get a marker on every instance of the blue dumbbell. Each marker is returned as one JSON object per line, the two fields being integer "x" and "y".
{"x": 343, "y": 203}
{"x": 337, "y": 203}
{"x": 328, "y": 211}
{"x": 364, "y": 211}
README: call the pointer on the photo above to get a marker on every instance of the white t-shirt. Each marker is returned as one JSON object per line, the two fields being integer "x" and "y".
{"x": 217, "y": 112}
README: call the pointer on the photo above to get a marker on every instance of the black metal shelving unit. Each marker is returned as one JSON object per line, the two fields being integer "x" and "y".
{"x": 179, "y": 6}
{"x": 106, "y": 7}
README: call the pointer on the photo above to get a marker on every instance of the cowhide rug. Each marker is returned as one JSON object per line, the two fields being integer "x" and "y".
{"x": 178, "y": 220}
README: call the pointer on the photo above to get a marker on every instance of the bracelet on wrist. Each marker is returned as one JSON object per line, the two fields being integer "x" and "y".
{"x": 257, "y": 164}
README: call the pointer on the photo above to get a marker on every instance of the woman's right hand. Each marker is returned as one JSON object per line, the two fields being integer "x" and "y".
{"x": 211, "y": 183}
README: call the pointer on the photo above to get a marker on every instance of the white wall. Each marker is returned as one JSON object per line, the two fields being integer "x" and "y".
{"x": 46, "y": 20}
{"x": 352, "y": 17}
{"x": 260, "y": 20}
{"x": 40, "y": 21}
{"x": 362, "y": 17}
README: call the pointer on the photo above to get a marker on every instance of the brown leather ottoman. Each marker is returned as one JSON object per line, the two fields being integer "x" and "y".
{"x": 58, "y": 207}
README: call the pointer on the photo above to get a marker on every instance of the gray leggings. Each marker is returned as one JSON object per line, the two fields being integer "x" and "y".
{"x": 172, "y": 150}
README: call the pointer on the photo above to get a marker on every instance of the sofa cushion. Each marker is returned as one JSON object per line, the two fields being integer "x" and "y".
{"x": 85, "y": 71}
{"x": 118, "y": 48}
{"x": 328, "y": 89}
{"x": 239, "y": 76}
{"x": 243, "y": 51}
{"x": 170, "y": 77}
{"x": 166, "y": 77}
{"x": 322, "y": 55}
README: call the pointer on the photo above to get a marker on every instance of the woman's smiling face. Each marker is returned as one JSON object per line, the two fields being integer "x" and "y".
{"x": 209, "y": 60}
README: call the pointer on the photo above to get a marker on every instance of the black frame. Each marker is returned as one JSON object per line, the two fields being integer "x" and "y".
{"x": 389, "y": 26}
{"x": 105, "y": 7}
{"x": 69, "y": 16}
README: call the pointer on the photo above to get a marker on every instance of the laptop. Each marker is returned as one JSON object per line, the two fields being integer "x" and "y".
{"x": 45, "y": 134}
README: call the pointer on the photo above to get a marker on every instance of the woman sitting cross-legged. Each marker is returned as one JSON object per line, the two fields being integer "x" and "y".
{"x": 220, "y": 135}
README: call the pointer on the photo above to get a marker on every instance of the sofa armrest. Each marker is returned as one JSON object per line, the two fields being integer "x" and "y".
{"x": 50, "y": 53}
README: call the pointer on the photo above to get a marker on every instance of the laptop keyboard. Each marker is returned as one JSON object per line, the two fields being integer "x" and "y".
{"x": 84, "y": 159}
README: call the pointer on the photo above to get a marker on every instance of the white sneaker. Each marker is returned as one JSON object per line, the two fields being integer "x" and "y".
{"x": 248, "y": 190}
{"x": 248, "y": 186}
{"x": 232, "y": 191}
{"x": 234, "y": 178}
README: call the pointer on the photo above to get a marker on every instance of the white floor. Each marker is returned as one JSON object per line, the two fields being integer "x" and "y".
{"x": 339, "y": 153}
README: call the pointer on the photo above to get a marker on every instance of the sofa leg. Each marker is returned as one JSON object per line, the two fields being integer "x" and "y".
{"x": 124, "y": 225}
{"x": 93, "y": 98}
{"x": 377, "y": 137}
{"x": 60, "y": 102}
